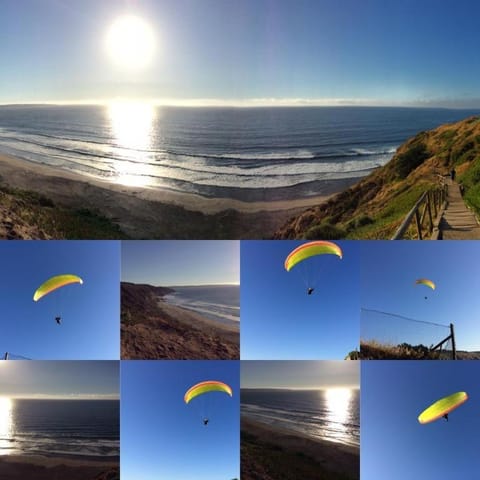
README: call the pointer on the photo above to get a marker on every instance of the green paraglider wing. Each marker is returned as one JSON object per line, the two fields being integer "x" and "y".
{"x": 426, "y": 282}
{"x": 311, "y": 249}
{"x": 205, "y": 387}
{"x": 53, "y": 283}
{"x": 442, "y": 407}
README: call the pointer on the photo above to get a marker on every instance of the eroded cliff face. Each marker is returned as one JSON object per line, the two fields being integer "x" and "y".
{"x": 375, "y": 206}
{"x": 153, "y": 329}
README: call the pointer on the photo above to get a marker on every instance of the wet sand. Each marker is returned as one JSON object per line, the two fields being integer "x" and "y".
{"x": 328, "y": 459}
{"x": 20, "y": 467}
{"x": 26, "y": 174}
{"x": 155, "y": 213}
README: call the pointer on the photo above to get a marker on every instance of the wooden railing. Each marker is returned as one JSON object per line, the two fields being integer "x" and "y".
{"x": 425, "y": 214}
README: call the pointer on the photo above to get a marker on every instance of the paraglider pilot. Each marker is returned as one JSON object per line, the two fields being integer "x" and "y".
{"x": 205, "y": 421}
{"x": 58, "y": 320}
{"x": 310, "y": 290}
{"x": 446, "y": 417}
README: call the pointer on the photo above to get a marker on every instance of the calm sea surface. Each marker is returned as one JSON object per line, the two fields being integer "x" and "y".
{"x": 240, "y": 153}
{"x": 332, "y": 415}
{"x": 216, "y": 302}
{"x": 73, "y": 428}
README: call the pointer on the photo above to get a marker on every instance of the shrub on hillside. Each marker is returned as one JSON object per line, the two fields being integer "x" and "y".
{"x": 325, "y": 231}
{"x": 411, "y": 159}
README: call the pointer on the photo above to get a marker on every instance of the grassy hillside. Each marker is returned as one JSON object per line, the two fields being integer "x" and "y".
{"x": 375, "y": 207}
{"x": 26, "y": 215}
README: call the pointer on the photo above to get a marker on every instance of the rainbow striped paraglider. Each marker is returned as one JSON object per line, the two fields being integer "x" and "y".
{"x": 425, "y": 281}
{"x": 203, "y": 388}
{"x": 310, "y": 249}
{"x": 53, "y": 284}
{"x": 307, "y": 251}
{"x": 442, "y": 407}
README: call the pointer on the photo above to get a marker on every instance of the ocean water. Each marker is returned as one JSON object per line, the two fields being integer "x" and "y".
{"x": 332, "y": 415}
{"x": 249, "y": 154}
{"x": 73, "y": 428}
{"x": 220, "y": 303}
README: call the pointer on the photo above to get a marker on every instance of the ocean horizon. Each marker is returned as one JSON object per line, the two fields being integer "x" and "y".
{"x": 69, "y": 428}
{"x": 248, "y": 154}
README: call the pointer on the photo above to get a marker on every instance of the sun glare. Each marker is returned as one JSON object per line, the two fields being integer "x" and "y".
{"x": 5, "y": 421}
{"x": 132, "y": 124}
{"x": 130, "y": 42}
{"x": 338, "y": 400}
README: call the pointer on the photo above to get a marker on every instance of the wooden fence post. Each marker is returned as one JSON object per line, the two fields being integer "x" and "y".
{"x": 454, "y": 349}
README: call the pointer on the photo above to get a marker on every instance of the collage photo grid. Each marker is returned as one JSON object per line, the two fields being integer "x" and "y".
{"x": 255, "y": 358}
{"x": 239, "y": 239}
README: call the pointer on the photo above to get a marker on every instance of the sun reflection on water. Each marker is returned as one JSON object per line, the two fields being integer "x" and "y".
{"x": 6, "y": 423}
{"x": 338, "y": 405}
{"x": 132, "y": 127}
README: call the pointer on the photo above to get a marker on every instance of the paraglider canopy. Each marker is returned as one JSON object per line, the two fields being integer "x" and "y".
{"x": 54, "y": 283}
{"x": 426, "y": 282}
{"x": 310, "y": 249}
{"x": 204, "y": 387}
{"x": 442, "y": 407}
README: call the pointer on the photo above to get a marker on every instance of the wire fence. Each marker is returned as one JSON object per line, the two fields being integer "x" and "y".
{"x": 14, "y": 356}
{"x": 391, "y": 330}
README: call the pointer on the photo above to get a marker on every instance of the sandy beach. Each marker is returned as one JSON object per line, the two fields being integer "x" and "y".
{"x": 153, "y": 213}
{"x": 20, "y": 467}
{"x": 273, "y": 453}
{"x": 154, "y": 329}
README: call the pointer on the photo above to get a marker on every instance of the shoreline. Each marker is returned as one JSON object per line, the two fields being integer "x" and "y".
{"x": 254, "y": 423}
{"x": 296, "y": 449}
{"x": 143, "y": 213}
{"x": 194, "y": 319}
{"x": 257, "y": 425}
{"x": 9, "y": 165}
{"x": 55, "y": 460}
{"x": 229, "y": 322}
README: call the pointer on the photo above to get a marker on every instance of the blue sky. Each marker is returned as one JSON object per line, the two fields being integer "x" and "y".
{"x": 388, "y": 274}
{"x": 181, "y": 262}
{"x": 280, "y": 321}
{"x": 60, "y": 379}
{"x": 254, "y": 51}
{"x": 162, "y": 437}
{"x": 90, "y": 326}
{"x": 394, "y": 444}
{"x": 299, "y": 374}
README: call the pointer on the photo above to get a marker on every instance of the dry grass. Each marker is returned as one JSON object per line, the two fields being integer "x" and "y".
{"x": 374, "y": 350}
{"x": 375, "y": 206}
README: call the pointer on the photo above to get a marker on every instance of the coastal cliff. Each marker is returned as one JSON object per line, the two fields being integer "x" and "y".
{"x": 374, "y": 207}
{"x": 154, "y": 329}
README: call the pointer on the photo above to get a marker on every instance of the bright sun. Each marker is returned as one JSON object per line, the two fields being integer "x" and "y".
{"x": 130, "y": 42}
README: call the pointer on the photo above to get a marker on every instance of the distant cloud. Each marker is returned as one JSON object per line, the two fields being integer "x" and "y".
{"x": 272, "y": 102}
{"x": 73, "y": 396}
{"x": 449, "y": 103}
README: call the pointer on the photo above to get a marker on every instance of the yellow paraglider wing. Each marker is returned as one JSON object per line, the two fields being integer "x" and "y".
{"x": 53, "y": 283}
{"x": 204, "y": 387}
{"x": 310, "y": 249}
{"x": 442, "y": 407}
{"x": 426, "y": 282}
